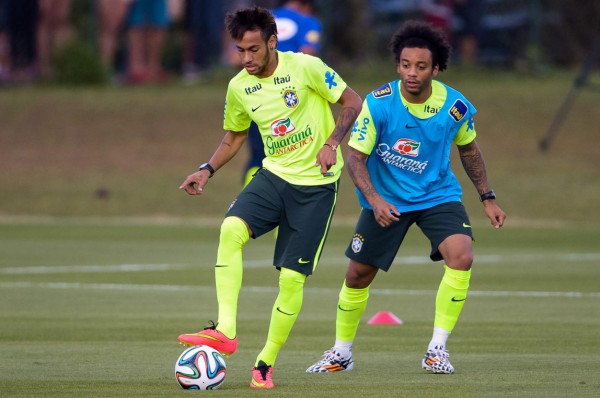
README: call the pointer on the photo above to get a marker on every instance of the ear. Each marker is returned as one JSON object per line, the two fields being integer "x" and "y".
{"x": 272, "y": 42}
{"x": 436, "y": 70}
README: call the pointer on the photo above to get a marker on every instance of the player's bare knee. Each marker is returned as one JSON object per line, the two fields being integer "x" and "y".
{"x": 360, "y": 276}
{"x": 460, "y": 261}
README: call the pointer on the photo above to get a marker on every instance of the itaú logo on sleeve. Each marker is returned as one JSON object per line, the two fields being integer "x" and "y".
{"x": 407, "y": 146}
{"x": 281, "y": 127}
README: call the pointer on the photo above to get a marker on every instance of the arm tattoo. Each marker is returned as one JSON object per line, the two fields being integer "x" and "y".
{"x": 474, "y": 165}
{"x": 357, "y": 169}
{"x": 343, "y": 123}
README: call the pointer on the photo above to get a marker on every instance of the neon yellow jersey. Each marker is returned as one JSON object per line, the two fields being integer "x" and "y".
{"x": 434, "y": 103}
{"x": 292, "y": 112}
{"x": 466, "y": 133}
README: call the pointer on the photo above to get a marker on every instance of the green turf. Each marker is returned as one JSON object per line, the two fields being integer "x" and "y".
{"x": 81, "y": 316}
{"x": 103, "y": 261}
{"x": 122, "y": 152}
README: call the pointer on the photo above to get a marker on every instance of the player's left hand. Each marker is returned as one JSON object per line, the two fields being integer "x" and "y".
{"x": 494, "y": 213}
{"x": 326, "y": 158}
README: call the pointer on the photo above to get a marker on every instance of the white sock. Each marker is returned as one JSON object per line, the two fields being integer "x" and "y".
{"x": 439, "y": 338}
{"x": 343, "y": 347}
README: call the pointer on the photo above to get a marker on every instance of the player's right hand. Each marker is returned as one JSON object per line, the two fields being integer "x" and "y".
{"x": 194, "y": 183}
{"x": 385, "y": 213}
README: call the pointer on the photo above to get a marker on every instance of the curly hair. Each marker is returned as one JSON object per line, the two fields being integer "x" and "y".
{"x": 250, "y": 19}
{"x": 418, "y": 34}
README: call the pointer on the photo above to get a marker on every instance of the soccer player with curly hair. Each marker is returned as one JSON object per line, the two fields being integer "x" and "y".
{"x": 399, "y": 160}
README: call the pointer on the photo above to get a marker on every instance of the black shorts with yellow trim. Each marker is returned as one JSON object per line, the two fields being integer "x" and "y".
{"x": 303, "y": 214}
{"x": 377, "y": 246}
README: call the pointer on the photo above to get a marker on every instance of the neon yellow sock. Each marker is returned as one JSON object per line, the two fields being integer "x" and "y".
{"x": 351, "y": 305}
{"x": 284, "y": 314}
{"x": 451, "y": 297}
{"x": 229, "y": 271}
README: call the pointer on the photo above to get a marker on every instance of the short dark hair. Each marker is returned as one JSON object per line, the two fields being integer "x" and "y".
{"x": 419, "y": 34}
{"x": 250, "y": 19}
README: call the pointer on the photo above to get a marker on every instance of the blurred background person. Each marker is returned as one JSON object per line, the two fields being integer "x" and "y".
{"x": 4, "y": 42}
{"x": 111, "y": 16}
{"x": 298, "y": 30}
{"x": 22, "y": 24}
{"x": 467, "y": 29}
{"x": 439, "y": 13}
{"x": 147, "y": 27}
{"x": 205, "y": 43}
{"x": 53, "y": 31}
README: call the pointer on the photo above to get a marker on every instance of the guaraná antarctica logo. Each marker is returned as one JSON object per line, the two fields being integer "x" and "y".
{"x": 406, "y": 146}
{"x": 393, "y": 156}
{"x": 285, "y": 138}
{"x": 281, "y": 127}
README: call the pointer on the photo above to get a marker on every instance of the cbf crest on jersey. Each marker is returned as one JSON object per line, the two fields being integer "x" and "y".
{"x": 290, "y": 97}
{"x": 458, "y": 110}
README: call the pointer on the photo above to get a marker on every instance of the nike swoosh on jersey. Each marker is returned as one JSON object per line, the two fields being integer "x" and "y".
{"x": 255, "y": 109}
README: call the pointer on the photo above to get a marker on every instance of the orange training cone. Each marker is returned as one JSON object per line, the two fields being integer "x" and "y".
{"x": 385, "y": 318}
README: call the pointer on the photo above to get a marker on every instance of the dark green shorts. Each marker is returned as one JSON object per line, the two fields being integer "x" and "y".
{"x": 378, "y": 246}
{"x": 302, "y": 213}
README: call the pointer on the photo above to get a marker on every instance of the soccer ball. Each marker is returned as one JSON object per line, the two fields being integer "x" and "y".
{"x": 200, "y": 368}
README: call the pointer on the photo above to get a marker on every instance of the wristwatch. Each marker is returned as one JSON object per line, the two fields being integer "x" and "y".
{"x": 488, "y": 195}
{"x": 207, "y": 166}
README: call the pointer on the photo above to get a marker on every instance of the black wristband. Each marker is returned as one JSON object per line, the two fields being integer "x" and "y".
{"x": 207, "y": 166}
{"x": 488, "y": 195}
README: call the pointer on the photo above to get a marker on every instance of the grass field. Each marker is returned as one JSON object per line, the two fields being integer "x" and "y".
{"x": 103, "y": 261}
{"x": 59, "y": 147}
{"x": 94, "y": 309}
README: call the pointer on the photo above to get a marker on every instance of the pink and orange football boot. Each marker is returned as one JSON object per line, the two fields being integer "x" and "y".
{"x": 211, "y": 337}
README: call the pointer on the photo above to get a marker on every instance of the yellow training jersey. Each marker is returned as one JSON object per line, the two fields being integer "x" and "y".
{"x": 291, "y": 109}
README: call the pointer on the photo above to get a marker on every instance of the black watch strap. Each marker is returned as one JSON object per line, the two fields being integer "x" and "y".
{"x": 488, "y": 195}
{"x": 207, "y": 166}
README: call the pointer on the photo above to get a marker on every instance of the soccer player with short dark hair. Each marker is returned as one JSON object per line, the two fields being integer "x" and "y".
{"x": 287, "y": 95}
{"x": 399, "y": 160}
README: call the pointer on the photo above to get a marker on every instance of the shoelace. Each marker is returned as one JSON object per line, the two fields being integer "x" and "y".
{"x": 264, "y": 371}
{"x": 212, "y": 326}
{"x": 442, "y": 354}
{"x": 331, "y": 356}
